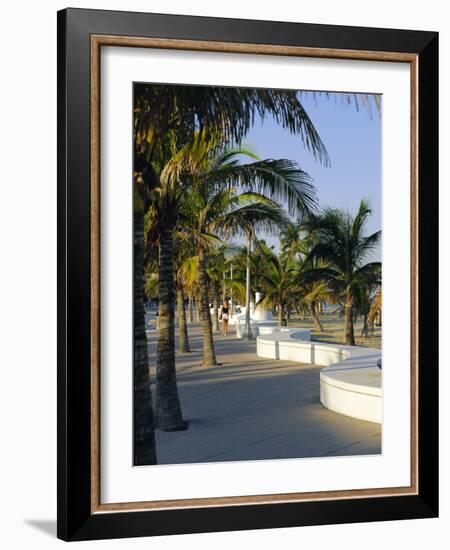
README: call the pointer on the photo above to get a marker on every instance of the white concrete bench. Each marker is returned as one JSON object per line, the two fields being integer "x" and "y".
{"x": 351, "y": 382}
{"x": 255, "y": 327}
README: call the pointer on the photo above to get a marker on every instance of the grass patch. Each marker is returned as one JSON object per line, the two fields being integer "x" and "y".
{"x": 333, "y": 330}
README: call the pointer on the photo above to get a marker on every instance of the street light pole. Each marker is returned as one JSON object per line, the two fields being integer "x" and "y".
{"x": 224, "y": 290}
{"x": 247, "y": 330}
{"x": 231, "y": 290}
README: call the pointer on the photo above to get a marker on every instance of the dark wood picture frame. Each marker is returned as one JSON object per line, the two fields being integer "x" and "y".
{"x": 81, "y": 34}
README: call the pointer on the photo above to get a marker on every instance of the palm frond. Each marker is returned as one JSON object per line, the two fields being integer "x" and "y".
{"x": 227, "y": 111}
{"x": 250, "y": 218}
{"x": 188, "y": 272}
{"x": 280, "y": 179}
{"x": 369, "y": 272}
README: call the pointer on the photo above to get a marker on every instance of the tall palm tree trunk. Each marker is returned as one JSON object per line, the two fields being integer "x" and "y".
{"x": 216, "y": 313}
{"x": 198, "y": 302}
{"x": 168, "y": 409}
{"x": 144, "y": 430}
{"x": 349, "y": 335}
{"x": 365, "y": 327}
{"x": 280, "y": 315}
{"x": 183, "y": 339}
{"x": 379, "y": 319}
{"x": 191, "y": 309}
{"x": 209, "y": 354}
{"x": 315, "y": 316}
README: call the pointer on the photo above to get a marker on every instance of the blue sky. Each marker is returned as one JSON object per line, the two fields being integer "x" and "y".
{"x": 353, "y": 141}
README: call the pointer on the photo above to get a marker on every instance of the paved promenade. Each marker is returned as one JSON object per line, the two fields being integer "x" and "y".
{"x": 252, "y": 408}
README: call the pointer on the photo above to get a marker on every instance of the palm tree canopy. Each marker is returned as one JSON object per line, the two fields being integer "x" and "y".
{"x": 215, "y": 165}
{"x": 230, "y": 112}
{"x": 292, "y": 243}
{"x": 209, "y": 214}
{"x": 342, "y": 244}
{"x": 277, "y": 281}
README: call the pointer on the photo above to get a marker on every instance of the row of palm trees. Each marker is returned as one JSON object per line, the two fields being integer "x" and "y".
{"x": 322, "y": 261}
{"x": 182, "y": 162}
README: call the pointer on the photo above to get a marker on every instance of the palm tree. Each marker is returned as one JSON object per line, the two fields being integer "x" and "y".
{"x": 144, "y": 448}
{"x": 210, "y": 174}
{"x": 167, "y": 114}
{"x": 375, "y": 310}
{"x": 221, "y": 212}
{"x": 216, "y": 269}
{"x": 183, "y": 339}
{"x": 181, "y": 255}
{"x": 366, "y": 295}
{"x": 161, "y": 220}
{"x": 189, "y": 273}
{"x": 292, "y": 242}
{"x": 278, "y": 284}
{"x": 316, "y": 292}
{"x": 343, "y": 246}
{"x": 296, "y": 245}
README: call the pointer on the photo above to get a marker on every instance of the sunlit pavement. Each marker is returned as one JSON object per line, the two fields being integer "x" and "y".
{"x": 251, "y": 408}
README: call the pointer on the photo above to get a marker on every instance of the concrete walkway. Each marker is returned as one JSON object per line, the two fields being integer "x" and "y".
{"x": 252, "y": 408}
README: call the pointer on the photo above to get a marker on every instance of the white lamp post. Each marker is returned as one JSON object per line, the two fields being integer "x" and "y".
{"x": 231, "y": 290}
{"x": 247, "y": 329}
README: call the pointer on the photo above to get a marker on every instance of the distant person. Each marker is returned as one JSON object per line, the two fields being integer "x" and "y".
{"x": 225, "y": 315}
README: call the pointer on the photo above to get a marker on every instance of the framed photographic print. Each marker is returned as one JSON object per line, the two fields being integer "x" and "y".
{"x": 247, "y": 252}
